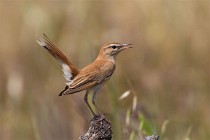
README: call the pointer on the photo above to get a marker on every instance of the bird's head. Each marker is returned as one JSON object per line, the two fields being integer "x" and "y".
{"x": 112, "y": 49}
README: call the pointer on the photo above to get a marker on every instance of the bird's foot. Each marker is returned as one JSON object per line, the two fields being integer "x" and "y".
{"x": 98, "y": 117}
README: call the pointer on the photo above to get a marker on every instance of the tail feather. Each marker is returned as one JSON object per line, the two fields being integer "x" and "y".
{"x": 68, "y": 68}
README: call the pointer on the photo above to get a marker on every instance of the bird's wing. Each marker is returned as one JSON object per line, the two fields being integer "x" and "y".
{"x": 91, "y": 76}
{"x": 67, "y": 67}
{"x": 80, "y": 83}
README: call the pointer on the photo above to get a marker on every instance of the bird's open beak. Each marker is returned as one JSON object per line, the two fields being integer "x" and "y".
{"x": 125, "y": 46}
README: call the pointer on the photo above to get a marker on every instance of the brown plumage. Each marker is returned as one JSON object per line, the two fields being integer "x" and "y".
{"x": 90, "y": 77}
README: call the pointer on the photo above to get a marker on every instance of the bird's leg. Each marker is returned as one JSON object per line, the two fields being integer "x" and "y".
{"x": 94, "y": 98}
{"x": 86, "y": 101}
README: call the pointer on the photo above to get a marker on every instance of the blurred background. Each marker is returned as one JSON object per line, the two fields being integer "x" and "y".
{"x": 167, "y": 71}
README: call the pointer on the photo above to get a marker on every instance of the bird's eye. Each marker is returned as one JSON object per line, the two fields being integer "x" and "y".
{"x": 114, "y": 47}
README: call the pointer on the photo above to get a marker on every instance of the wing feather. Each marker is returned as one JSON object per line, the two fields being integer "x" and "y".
{"x": 90, "y": 76}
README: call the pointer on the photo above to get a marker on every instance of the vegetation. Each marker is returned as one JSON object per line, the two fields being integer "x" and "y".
{"x": 167, "y": 71}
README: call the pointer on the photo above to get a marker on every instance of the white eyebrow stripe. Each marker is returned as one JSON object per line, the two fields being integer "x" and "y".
{"x": 114, "y": 45}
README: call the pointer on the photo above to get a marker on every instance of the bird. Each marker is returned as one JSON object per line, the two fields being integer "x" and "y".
{"x": 92, "y": 76}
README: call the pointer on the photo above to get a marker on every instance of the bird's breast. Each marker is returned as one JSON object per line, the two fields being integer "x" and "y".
{"x": 106, "y": 70}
